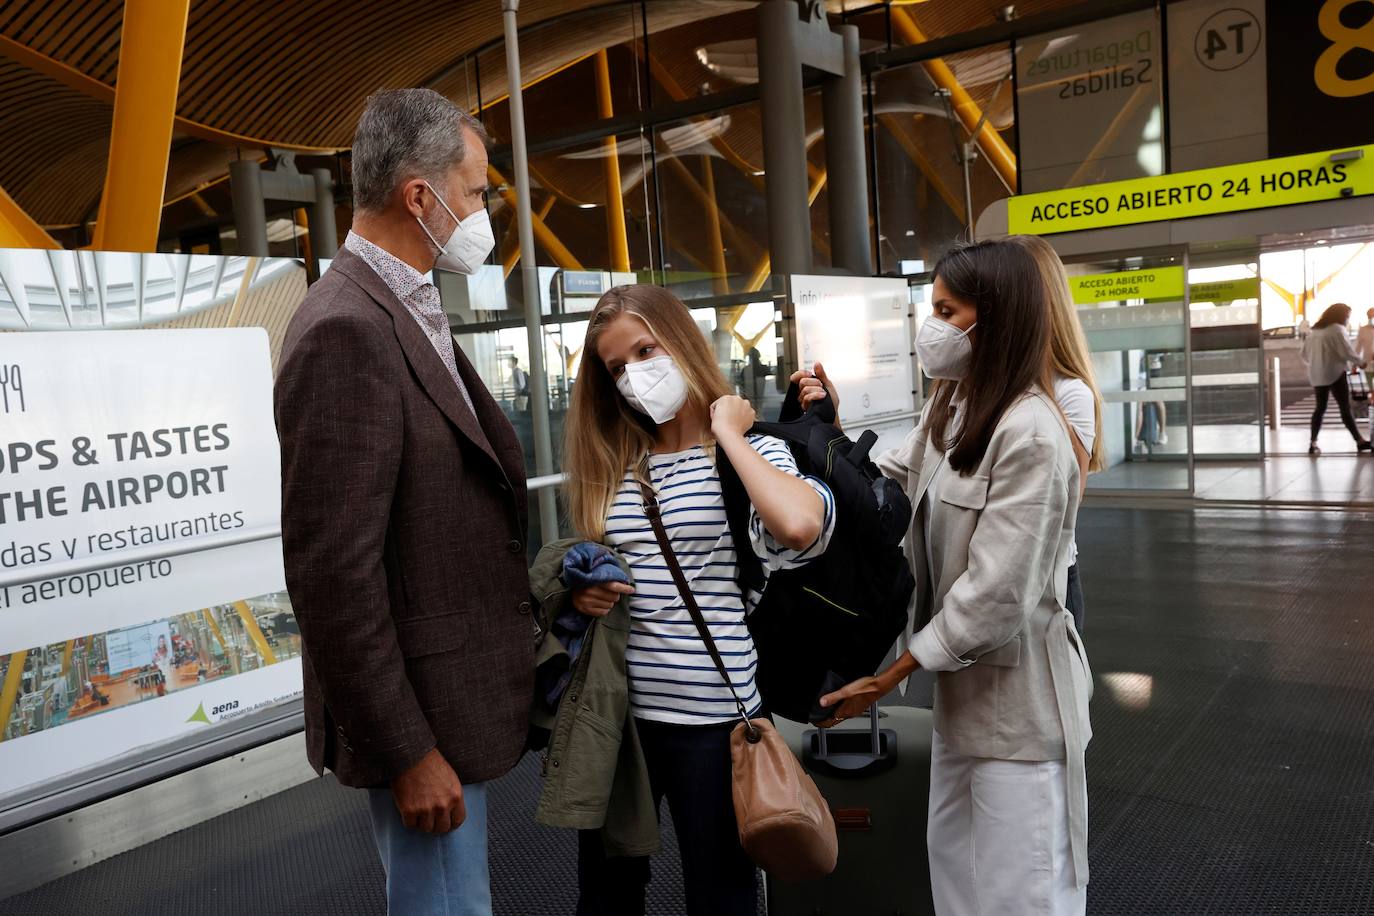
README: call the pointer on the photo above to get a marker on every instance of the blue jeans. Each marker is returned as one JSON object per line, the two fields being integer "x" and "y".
{"x": 434, "y": 874}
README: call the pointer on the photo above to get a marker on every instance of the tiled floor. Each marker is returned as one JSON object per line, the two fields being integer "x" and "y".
{"x": 1328, "y": 480}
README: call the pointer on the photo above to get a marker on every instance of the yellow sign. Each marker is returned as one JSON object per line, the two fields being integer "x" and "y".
{"x": 1204, "y": 192}
{"x": 1159, "y": 283}
{"x": 1225, "y": 290}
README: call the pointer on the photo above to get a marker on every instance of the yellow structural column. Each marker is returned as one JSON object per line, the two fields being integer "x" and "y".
{"x": 250, "y": 623}
{"x": 18, "y": 229}
{"x": 150, "y": 48}
{"x": 615, "y": 206}
{"x": 965, "y": 108}
{"x": 542, "y": 233}
{"x": 765, "y": 266}
{"x": 721, "y": 281}
{"x": 511, "y": 243}
{"x": 10, "y": 691}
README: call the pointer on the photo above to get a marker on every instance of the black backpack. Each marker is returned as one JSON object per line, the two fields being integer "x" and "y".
{"x": 832, "y": 621}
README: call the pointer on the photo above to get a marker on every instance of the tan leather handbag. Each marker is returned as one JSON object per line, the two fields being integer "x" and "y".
{"x": 785, "y": 825}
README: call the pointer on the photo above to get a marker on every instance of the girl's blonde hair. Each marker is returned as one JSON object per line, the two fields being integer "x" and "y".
{"x": 604, "y": 435}
{"x": 1068, "y": 345}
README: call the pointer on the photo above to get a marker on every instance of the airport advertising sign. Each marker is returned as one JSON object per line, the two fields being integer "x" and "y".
{"x": 1307, "y": 178}
{"x": 140, "y": 556}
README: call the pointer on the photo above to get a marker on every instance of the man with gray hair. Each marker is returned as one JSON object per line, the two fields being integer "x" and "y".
{"x": 404, "y": 513}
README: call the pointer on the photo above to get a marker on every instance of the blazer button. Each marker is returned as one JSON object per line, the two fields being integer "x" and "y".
{"x": 514, "y": 546}
{"x": 523, "y": 607}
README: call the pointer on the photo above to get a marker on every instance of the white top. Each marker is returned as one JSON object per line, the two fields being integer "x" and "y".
{"x": 1075, "y": 398}
{"x": 1327, "y": 352}
{"x": 672, "y": 677}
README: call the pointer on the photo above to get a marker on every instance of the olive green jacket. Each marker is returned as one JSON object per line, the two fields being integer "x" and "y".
{"x": 594, "y": 771}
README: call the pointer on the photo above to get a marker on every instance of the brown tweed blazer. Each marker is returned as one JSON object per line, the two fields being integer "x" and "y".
{"x": 403, "y": 525}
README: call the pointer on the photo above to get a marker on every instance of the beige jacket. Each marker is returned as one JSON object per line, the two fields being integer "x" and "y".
{"x": 1013, "y": 679}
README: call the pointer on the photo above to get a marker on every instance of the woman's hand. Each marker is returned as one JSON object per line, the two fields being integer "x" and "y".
{"x": 854, "y": 699}
{"x": 731, "y": 416}
{"x": 597, "y": 600}
{"x": 815, "y": 386}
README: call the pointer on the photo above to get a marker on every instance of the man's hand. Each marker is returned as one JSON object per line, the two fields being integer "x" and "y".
{"x": 597, "y": 600}
{"x": 429, "y": 796}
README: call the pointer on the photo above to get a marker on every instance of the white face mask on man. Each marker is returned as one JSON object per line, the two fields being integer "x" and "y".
{"x": 654, "y": 387}
{"x": 944, "y": 350}
{"x": 469, "y": 243}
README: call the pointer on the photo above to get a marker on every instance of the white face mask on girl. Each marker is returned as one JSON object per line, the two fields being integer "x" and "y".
{"x": 654, "y": 387}
{"x": 469, "y": 243}
{"x": 944, "y": 350}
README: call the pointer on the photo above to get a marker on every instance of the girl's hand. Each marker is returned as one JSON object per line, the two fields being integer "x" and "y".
{"x": 597, "y": 600}
{"x": 815, "y": 386}
{"x": 731, "y": 416}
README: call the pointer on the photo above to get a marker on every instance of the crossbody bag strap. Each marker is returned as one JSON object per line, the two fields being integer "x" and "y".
{"x": 655, "y": 516}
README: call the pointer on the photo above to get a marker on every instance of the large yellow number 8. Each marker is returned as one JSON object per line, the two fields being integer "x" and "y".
{"x": 1343, "y": 40}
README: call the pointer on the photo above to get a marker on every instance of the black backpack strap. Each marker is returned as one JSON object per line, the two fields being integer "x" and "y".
{"x": 665, "y": 546}
{"x": 738, "y": 509}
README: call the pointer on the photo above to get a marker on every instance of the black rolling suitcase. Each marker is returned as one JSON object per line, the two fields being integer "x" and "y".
{"x": 877, "y": 781}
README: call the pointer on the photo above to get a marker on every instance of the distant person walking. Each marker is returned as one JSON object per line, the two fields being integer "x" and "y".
{"x": 520, "y": 384}
{"x": 1328, "y": 355}
{"x": 1364, "y": 347}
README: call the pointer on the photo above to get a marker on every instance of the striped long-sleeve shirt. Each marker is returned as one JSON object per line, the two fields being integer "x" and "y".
{"x": 672, "y": 678}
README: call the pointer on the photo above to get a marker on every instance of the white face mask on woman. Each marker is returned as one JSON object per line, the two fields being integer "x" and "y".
{"x": 469, "y": 243}
{"x": 944, "y": 350}
{"x": 654, "y": 387}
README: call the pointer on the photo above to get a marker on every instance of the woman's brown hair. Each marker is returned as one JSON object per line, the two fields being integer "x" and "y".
{"x": 1069, "y": 355}
{"x": 1010, "y": 352}
{"x": 1334, "y": 314}
{"x": 603, "y": 435}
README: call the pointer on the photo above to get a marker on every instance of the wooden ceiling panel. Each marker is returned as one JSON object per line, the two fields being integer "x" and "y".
{"x": 58, "y": 138}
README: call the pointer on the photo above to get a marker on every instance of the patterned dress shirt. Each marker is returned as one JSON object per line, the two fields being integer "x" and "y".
{"x": 419, "y": 296}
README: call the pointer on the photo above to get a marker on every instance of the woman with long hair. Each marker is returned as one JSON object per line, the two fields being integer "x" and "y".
{"x": 651, "y": 406}
{"x": 1075, "y": 387}
{"x": 1328, "y": 354}
{"x": 994, "y": 485}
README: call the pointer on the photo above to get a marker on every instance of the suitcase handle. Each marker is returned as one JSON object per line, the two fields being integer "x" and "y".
{"x": 840, "y": 752}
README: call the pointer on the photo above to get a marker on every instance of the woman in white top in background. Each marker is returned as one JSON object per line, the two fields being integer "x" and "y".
{"x": 1075, "y": 388}
{"x": 1328, "y": 355}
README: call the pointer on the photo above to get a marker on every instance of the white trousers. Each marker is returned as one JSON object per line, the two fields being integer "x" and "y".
{"x": 998, "y": 836}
